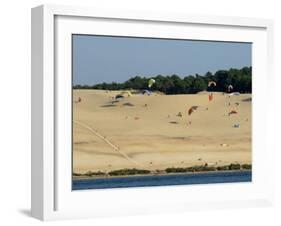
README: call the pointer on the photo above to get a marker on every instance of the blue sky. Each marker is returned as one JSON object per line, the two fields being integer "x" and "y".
{"x": 98, "y": 59}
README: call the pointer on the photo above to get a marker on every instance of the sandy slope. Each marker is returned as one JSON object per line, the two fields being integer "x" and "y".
{"x": 108, "y": 137}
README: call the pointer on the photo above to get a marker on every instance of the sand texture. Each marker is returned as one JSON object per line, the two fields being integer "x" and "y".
{"x": 156, "y": 132}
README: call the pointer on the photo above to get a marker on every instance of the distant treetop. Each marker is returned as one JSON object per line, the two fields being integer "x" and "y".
{"x": 239, "y": 79}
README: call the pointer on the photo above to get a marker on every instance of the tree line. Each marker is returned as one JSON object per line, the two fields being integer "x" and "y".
{"x": 240, "y": 79}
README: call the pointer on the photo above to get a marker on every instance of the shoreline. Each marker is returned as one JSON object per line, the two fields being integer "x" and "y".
{"x": 162, "y": 174}
{"x": 79, "y": 178}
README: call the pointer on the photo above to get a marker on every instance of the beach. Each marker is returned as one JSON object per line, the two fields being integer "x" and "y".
{"x": 155, "y": 132}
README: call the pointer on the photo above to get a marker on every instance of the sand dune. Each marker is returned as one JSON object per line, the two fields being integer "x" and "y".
{"x": 146, "y": 132}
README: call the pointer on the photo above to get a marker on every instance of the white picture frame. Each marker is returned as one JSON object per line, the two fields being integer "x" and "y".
{"x": 52, "y": 197}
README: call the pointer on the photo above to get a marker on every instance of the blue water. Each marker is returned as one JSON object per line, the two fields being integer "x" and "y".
{"x": 163, "y": 180}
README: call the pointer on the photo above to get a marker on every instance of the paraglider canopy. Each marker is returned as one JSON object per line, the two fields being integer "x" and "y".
{"x": 232, "y": 112}
{"x": 119, "y": 96}
{"x": 192, "y": 109}
{"x": 212, "y": 84}
{"x": 127, "y": 92}
{"x": 151, "y": 82}
{"x": 146, "y": 92}
{"x": 229, "y": 88}
{"x": 234, "y": 94}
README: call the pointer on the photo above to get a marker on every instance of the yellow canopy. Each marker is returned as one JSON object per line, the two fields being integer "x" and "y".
{"x": 126, "y": 92}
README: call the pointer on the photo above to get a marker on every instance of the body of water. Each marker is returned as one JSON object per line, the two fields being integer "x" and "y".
{"x": 163, "y": 180}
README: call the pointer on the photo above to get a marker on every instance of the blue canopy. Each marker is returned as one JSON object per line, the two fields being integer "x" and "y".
{"x": 146, "y": 92}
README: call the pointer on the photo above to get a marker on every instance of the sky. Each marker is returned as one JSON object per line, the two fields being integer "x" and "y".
{"x": 98, "y": 59}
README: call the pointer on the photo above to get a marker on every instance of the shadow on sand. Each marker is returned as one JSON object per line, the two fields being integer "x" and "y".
{"x": 108, "y": 105}
{"x": 247, "y": 99}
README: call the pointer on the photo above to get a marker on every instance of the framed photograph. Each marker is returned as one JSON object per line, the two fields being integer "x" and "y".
{"x": 137, "y": 112}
